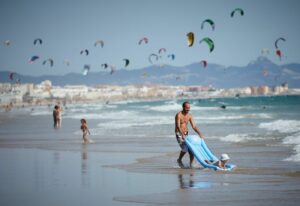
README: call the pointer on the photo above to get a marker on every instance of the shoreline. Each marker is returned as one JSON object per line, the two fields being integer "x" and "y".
{"x": 52, "y": 102}
{"x": 165, "y": 180}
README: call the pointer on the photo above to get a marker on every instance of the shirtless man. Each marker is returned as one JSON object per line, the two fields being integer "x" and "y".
{"x": 182, "y": 119}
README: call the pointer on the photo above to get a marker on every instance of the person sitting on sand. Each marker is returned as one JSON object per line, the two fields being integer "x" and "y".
{"x": 85, "y": 130}
{"x": 220, "y": 163}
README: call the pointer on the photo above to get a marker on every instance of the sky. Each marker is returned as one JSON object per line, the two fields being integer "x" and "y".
{"x": 69, "y": 26}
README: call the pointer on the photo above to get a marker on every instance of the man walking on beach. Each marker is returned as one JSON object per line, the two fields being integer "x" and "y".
{"x": 182, "y": 119}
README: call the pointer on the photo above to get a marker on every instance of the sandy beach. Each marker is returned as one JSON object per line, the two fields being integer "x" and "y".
{"x": 44, "y": 166}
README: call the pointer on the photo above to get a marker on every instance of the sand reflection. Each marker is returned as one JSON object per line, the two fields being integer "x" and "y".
{"x": 187, "y": 181}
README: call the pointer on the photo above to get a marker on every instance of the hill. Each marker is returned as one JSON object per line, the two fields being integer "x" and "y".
{"x": 258, "y": 72}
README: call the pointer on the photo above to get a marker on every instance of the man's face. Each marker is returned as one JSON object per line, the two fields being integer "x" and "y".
{"x": 186, "y": 108}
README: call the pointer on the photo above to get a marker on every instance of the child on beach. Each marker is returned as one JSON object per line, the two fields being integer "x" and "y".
{"x": 85, "y": 131}
{"x": 220, "y": 163}
{"x": 57, "y": 116}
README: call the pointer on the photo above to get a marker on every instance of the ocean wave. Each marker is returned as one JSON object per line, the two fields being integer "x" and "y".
{"x": 139, "y": 121}
{"x": 110, "y": 115}
{"x": 241, "y": 138}
{"x": 111, "y": 106}
{"x": 293, "y": 158}
{"x": 217, "y": 118}
{"x": 174, "y": 106}
{"x": 76, "y": 110}
{"x": 283, "y": 126}
{"x": 41, "y": 112}
{"x": 234, "y": 117}
{"x": 83, "y": 115}
{"x": 293, "y": 140}
{"x": 97, "y": 133}
{"x": 169, "y": 106}
{"x": 85, "y": 107}
{"x": 228, "y": 107}
{"x": 122, "y": 102}
{"x": 178, "y": 107}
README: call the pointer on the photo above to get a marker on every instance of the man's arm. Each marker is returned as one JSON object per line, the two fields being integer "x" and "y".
{"x": 195, "y": 128}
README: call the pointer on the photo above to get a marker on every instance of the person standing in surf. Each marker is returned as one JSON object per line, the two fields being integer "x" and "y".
{"x": 58, "y": 117}
{"x": 85, "y": 131}
{"x": 182, "y": 119}
{"x": 55, "y": 114}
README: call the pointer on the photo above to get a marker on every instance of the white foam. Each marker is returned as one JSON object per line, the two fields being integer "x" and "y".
{"x": 293, "y": 158}
{"x": 128, "y": 101}
{"x": 123, "y": 114}
{"x": 76, "y": 110}
{"x": 41, "y": 112}
{"x": 198, "y": 108}
{"x": 283, "y": 126}
{"x": 137, "y": 121}
{"x": 84, "y": 107}
{"x": 169, "y": 106}
{"x": 293, "y": 140}
{"x": 174, "y": 106}
{"x": 220, "y": 118}
{"x": 98, "y": 133}
{"x": 111, "y": 106}
{"x": 240, "y": 107}
{"x": 241, "y": 138}
{"x": 264, "y": 116}
{"x": 83, "y": 115}
{"x": 233, "y": 117}
{"x": 234, "y": 138}
{"x": 178, "y": 107}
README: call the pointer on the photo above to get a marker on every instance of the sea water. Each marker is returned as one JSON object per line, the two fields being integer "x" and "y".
{"x": 264, "y": 120}
{"x": 47, "y": 166}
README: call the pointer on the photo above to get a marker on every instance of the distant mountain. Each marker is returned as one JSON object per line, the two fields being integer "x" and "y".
{"x": 258, "y": 72}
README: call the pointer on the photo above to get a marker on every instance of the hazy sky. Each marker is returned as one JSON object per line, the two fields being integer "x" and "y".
{"x": 68, "y": 26}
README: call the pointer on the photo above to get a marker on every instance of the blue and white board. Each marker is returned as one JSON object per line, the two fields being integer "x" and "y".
{"x": 201, "y": 152}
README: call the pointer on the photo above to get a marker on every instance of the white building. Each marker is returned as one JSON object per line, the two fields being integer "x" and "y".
{"x": 69, "y": 91}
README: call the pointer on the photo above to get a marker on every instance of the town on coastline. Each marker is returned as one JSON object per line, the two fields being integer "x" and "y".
{"x": 22, "y": 95}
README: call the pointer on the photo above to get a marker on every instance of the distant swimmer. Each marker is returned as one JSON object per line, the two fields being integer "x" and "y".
{"x": 223, "y": 106}
{"x": 182, "y": 119}
{"x": 85, "y": 131}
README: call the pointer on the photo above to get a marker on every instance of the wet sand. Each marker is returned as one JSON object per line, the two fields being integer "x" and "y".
{"x": 52, "y": 167}
{"x": 86, "y": 174}
{"x": 259, "y": 179}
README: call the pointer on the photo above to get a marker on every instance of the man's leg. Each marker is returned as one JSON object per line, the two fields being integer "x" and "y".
{"x": 191, "y": 159}
{"x": 179, "y": 160}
